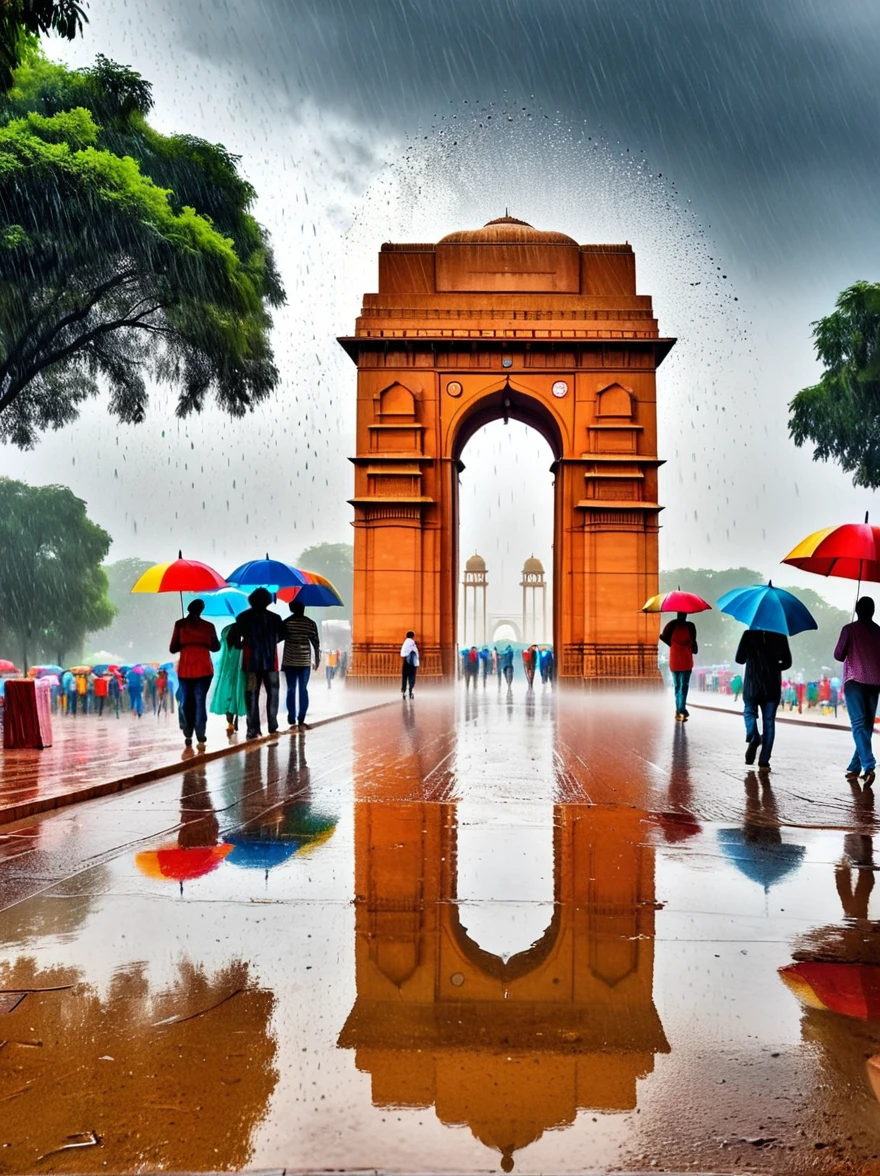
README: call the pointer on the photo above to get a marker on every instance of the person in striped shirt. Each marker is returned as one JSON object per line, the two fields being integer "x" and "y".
{"x": 300, "y": 642}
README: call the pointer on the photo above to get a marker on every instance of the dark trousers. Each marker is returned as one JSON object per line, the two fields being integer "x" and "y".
{"x": 194, "y": 696}
{"x": 408, "y": 678}
{"x": 297, "y": 684}
{"x": 508, "y": 674}
{"x": 254, "y": 680}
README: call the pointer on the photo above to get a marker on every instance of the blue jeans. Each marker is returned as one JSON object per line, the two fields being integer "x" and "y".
{"x": 297, "y": 682}
{"x": 194, "y": 696}
{"x": 861, "y": 706}
{"x": 253, "y": 681}
{"x": 768, "y": 707}
{"x": 681, "y": 680}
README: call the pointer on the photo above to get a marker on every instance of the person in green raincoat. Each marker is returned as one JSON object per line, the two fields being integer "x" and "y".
{"x": 228, "y": 697}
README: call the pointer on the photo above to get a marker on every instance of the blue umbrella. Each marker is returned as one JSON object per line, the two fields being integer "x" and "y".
{"x": 224, "y": 604}
{"x": 764, "y": 862}
{"x": 253, "y": 853}
{"x": 761, "y": 606}
{"x": 266, "y": 573}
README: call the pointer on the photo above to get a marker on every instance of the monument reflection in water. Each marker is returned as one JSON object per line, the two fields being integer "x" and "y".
{"x": 507, "y": 1047}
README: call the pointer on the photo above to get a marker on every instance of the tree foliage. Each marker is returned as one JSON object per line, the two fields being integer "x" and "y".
{"x": 141, "y": 628}
{"x": 22, "y": 20}
{"x": 840, "y": 415}
{"x": 336, "y": 562}
{"x": 123, "y": 253}
{"x": 718, "y": 634}
{"x": 53, "y": 589}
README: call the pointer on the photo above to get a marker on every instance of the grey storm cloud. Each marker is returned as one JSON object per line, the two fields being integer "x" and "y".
{"x": 756, "y": 103}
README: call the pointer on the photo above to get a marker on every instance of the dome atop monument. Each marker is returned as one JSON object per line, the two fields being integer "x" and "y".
{"x": 533, "y": 566}
{"x": 507, "y": 230}
{"x": 476, "y": 563}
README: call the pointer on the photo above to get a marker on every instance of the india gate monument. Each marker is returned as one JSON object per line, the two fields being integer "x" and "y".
{"x": 506, "y": 322}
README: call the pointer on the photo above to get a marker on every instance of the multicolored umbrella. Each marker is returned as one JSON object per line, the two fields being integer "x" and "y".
{"x": 272, "y": 574}
{"x": 181, "y": 575}
{"x": 762, "y": 606}
{"x": 850, "y": 551}
{"x": 181, "y": 865}
{"x": 850, "y": 989}
{"x": 317, "y": 591}
{"x": 677, "y": 601}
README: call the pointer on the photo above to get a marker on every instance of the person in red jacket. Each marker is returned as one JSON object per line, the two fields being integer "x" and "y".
{"x": 194, "y": 639}
{"x": 681, "y": 637}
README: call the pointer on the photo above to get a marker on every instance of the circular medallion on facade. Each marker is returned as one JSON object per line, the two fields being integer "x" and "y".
{"x": 453, "y": 388}
{"x": 560, "y": 388}
{"x": 507, "y": 361}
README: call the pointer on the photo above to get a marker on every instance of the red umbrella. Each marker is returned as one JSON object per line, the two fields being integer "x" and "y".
{"x": 8, "y": 667}
{"x": 677, "y": 601}
{"x": 850, "y": 551}
{"x": 850, "y": 989}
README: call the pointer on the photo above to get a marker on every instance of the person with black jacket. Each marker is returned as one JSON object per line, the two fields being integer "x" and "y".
{"x": 765, "y": 655}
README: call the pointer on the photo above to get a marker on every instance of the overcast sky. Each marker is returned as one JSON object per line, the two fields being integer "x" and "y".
{"x": 734, "y": 144}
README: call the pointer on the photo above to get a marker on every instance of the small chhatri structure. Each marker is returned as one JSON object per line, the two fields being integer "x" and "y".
{"x": 475, "y": 584}
{"x": 532, "y": 583}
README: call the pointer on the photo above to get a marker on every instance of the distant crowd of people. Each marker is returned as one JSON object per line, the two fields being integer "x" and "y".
{"x": 765, "y": 656}
{"x": 478, "y": 664}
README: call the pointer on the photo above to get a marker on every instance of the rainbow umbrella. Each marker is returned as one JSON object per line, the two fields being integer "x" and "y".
{"x": 181, "y": 575}
{"x": 317, "y": 591}
{"x": 850, "y": 551}
{"x": 850, "y": 989}
{"x": 181, "y": 865}
{"x": 677, "y": 601}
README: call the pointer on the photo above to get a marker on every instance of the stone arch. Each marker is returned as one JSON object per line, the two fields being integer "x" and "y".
{"x": 506, "y": 399}
{"x": 497, "y": 622}
{"x": 615, "y": 401}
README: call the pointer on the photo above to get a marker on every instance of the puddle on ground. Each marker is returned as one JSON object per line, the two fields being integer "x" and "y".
{"x": 461, "y": 936}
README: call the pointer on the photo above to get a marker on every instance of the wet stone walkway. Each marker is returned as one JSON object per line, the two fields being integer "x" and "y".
{"x": 545, "y": 933}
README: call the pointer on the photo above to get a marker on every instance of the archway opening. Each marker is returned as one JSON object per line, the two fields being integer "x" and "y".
{"x": 506, "y": 508}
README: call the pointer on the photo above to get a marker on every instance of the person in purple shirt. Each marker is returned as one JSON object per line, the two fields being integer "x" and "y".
{"x": 858, "y": 647}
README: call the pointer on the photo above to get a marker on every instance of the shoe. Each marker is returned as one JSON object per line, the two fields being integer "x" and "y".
{"x": 851, "y": 774}
{"x": 411, "y": 694}
{"x": 304, "y": 726}
{"x": 678, "y": 718}
{"x": 752, "y": 749}
{"x": 202, "y": 744}
{"x": 684, "y": 716}
{"x": 229, "y": 728}
{"x": 868, "y": 778}
{"x": 763, "y": 767}
{"x": 187, "y": 743}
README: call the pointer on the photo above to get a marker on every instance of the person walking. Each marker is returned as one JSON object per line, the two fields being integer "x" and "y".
{"x": 228, "y": 697}
{"x": 195, "y": 640}
{"x": 409, "y": 654}
{"x": 765, "y": 655}
{"x": 300, "y": 643}
{"x": 102, "y": 684}
{"x": 681, "y": 637}
{"x": 472, "y": 667}
{"x": 257, "y": 633}
{"x": 530, "y": 662}
{"x": 330, "y": 668}
{"x": 135, "y": 684}
{"x": 858, "y": 647}
{"x": 505, "y": 660}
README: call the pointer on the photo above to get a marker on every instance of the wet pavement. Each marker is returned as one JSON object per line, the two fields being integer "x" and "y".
{"x": 463, "y": 934}
{"x": 92, "y": 754}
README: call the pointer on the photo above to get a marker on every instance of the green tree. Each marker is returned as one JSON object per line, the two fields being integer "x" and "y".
{"x": 123, "y": 253}
{"x": 141, "y": 629}
{"x": 22, "y": 20}
{"x": 840, "y": 415}
{"x": 718, "y": 634}
{"x": 53, "y": 589}
{"x": 336, "y": 562}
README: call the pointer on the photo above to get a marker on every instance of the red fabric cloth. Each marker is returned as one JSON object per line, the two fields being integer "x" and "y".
{"x": 27, "y": 721}
{"x": 193, "y": 639}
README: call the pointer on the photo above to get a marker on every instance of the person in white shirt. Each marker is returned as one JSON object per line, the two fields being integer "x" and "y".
{"x": 409, "y": 654}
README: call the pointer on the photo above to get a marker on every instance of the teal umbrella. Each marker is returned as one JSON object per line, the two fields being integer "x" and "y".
{"x": 762, "y": 606}
{"x": 224, "y": 604}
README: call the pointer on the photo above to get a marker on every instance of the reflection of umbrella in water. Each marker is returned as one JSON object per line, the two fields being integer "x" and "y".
{"x": 181, "y": 864}
{"x": 850, "y": 989}
{"x": 763, "y": 860}
{"x": 301, "y": 831}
